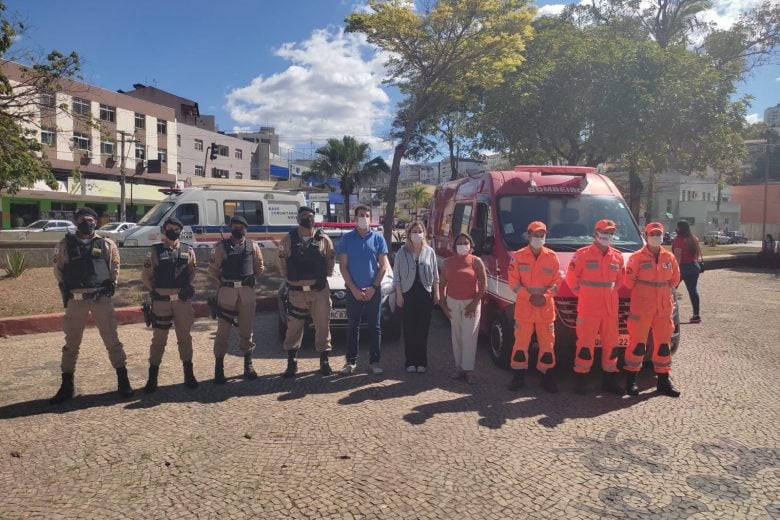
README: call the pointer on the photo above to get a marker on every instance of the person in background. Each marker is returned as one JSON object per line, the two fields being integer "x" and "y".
{"x": 416, "y": 283}
{"x": 768, "y": 245}
{"x": 687, "y": 252}
{"x": 463, "y": 284}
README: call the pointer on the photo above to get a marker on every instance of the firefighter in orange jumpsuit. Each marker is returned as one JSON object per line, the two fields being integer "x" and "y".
{"x": 534, "y": 274}
{"x": 651, "y": 274}
{"x": 594, "y": 274}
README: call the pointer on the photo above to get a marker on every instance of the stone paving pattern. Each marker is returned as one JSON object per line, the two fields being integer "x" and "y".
{"x": 401, "y": 445}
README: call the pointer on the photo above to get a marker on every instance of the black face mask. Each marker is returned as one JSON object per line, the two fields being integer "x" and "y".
{"x": 307, "y": 222}
{"x": 172, "y": 234}
{"x": 86, "y": 227}
{"x": 238, "y": 234}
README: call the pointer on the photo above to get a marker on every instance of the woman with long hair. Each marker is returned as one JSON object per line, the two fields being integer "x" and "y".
{"x": 416, "y": 282}
{"x": 687, "y": 251}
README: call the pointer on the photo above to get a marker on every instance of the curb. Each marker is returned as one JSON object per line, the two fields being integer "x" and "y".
{"x": 40, "y": 323}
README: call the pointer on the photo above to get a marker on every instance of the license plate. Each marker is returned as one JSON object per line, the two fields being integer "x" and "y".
{"x": 338, "y": 314}
{"x": 622, "y": 340}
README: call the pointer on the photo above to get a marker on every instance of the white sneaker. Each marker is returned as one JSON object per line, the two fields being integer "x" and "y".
{"x": 375, "y": 369}
{"x": 411, "y": 369}
{"x": 421, "y": 370}
{"x": 347, "y": 369}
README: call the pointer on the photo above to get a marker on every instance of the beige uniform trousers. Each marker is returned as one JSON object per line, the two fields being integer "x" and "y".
{"x": 182, "y": 315}
{"x": 317, "y": 304}
{"x": 243, "y": 300}
{"x": 76, "y": 313}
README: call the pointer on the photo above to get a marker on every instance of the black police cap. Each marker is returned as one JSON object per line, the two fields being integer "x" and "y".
{"x": 305, "y": 208}
{"x": 86, "y": 211}
{"x": 174, "y": 221}
{"x": 238, "y": 219}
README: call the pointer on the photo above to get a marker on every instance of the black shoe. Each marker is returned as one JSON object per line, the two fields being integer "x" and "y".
{"x": 325, "y": 369}
{"x": 610, "y": 384}
{"x": 581, "y": 387}
{"x": 66, "y": 389}
{"x": 548, "y": 382}
{"x": 292, "y": 369}
{"x": 695, "y": 319}
{"x": 666, "y": 387}
{"x": 151, "y": 383}
{"x": 189, "y": 375}
{"x": 123, "y": 383}
{"x": 219, "y": 371}
{"x": 631, "y": 386}
{"x": 518, "y": 380}
{"x": 249, "y": 371}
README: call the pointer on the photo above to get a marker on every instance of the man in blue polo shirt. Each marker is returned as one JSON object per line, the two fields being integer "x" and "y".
{"x": 362, "y": 256}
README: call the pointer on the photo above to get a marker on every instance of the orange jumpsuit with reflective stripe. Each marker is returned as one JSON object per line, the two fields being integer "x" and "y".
{"x": 652, "y": 304}
{"x": 594, "y": 277}
{"x": 529, "y": 275}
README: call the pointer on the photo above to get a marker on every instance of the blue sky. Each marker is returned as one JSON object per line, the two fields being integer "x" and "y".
{"x": 255, "y": 63}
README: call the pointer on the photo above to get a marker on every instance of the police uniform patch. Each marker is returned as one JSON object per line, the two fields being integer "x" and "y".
{"x": 96, "y": 251}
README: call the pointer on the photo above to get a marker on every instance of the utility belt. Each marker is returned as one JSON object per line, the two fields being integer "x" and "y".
{"x": 218, "y": 312}
{"x": 166, "y": 298}
{"x": 249, "y": 281}
{"x": 155, "y": 321}
{"x": 92, "y": 295}
{"x": 316, "y": 286}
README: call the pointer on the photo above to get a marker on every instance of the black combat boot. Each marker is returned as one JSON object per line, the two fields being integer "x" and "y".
{"x": 581, "y": 386}
{"x": 292, "y": 364}
{"x": 518, "y": 380}
{"x": 189, "y": 375}
{"x": 66, "y": 389}
{"x": 249, "y": 371}
{"x": 123, "y": 383}
{"x": 666, "y": 387}
{"x": 151, "y": 383}
{"x": 548, "y": 382}
{"x": 219, "y": 371}
{"x": 610, "y": 384}
{"x": 631, "y": 386}
{"x": 325, "y": 369}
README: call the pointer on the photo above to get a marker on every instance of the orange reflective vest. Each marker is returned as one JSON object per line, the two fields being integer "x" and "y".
{"x": 529, "y": 274}
{"x": 651, "y": 282}
{"x": 595, "y": 277}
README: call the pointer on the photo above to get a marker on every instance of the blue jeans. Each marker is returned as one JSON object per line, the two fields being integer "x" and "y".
{"x": 690, "y": 275}
{"x": 372, "y": 310}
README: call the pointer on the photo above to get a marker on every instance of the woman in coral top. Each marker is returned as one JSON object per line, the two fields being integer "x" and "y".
{"x": 687, "y": 251}
{"x": 463, "y": 282}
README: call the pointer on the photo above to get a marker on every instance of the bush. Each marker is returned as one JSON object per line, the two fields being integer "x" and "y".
{"x": 15, "y": 264}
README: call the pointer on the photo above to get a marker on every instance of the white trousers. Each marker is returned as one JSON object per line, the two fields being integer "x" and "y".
{"x": 464, "y": 333}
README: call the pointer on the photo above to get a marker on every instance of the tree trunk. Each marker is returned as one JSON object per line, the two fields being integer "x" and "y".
{"x": 347, "y": 213}
{"x": 635, "y": 188}
{"x": 650, "y": 194}
{"x": 453, "y": 162}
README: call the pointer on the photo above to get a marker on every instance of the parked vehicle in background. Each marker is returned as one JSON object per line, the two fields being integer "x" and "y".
{"x": 115, "y": 230}
{"x": 40, "y": 230}
{"x": 668, "y": 238}
{"x": 716, "y": 238}
{"x": 737, "y": 237}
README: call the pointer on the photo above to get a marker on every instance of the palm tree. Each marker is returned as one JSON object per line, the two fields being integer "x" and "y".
{"x": 418, "y": 196}
{"x": 673, "y": 21}
{"x": 346, "y": 159}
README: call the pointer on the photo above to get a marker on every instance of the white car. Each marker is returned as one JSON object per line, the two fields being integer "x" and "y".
{"x": 115, "y": 230}
{"x": 716, "y": 237}
{"x": 40, "y": 230}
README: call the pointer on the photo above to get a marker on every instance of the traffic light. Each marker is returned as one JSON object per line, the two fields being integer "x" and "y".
{"x": 213, "y": 151}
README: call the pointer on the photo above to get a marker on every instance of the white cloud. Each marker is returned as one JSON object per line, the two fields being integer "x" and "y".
{"x": 550, "y": 10}
{"x": 725, "y": 12}
{"x": 777, "y": 79}
{"x": 329, "y": 90}
{"x": 753, "y": 119}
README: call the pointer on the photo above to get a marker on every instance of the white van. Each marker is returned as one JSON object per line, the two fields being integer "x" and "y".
{"x": 206, "y": 212}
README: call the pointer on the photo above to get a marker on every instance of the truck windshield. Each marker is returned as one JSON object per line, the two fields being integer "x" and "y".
{"x": 570, "y": 220}
{"x": 156, "y": 214}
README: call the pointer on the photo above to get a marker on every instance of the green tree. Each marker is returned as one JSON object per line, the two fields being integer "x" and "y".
{"x": 347, "y": 160}
{"x": 418, "y": 197}
{"x": 22, "y": 158}
{"x": 439, "y": 54}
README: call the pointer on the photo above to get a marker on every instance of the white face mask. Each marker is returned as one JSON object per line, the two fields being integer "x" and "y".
{"x": 462, "y": 249}
{"x": 655, "y": 241}
{"x": 416, "y": 237}
{"x": 605, "y": 239}
{"x": 363, "y": 222}
{"x": 537, "y": 242}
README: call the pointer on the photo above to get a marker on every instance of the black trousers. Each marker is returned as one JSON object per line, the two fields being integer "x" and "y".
{"x": 416, "y": 317}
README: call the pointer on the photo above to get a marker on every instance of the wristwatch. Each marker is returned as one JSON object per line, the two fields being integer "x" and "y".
{"x": 376, "y": 287}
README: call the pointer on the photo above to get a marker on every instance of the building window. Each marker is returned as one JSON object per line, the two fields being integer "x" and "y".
{"x": 199, "y": 171}
{"x": 140, "y": 121}
{"x": 106, "y": 148}
{"x": 162, "y": 154}
{"x": 140, "y": 151}
{"x": 199, "y": 145}
{"x": 178, "y": 140}
{"x": 223, "y": 150}
{"x": 48, "y": 99}
{"x": 265, "y": 141}
{"x": 239, "y": 153}
{"x": 219, "y": 174}
{"x": 239, "y": 175}
{"x": 49, "y": 137}
{"x": 80, "y": 141}
{"x": 178, "y": 168}
{"x": 81, "y": 107}
{"x": 162, "y": 126}
{"x": 107, "y": 113}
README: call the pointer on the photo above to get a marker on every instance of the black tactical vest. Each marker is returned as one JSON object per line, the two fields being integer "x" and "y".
{"x": 238, "y": 263}
{"x": 87, "y": 266}
{"x": 171, "y": 271}
{"x": 305, "y": 262}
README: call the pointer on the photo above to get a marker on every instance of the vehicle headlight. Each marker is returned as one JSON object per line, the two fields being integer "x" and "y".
{"x": 131, "y": 242}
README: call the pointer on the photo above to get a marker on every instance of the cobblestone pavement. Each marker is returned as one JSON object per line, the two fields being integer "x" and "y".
{"x": 402, "y": 445}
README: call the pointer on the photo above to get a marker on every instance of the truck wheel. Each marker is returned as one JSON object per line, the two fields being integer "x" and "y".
{"x": 501, "y": 341}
